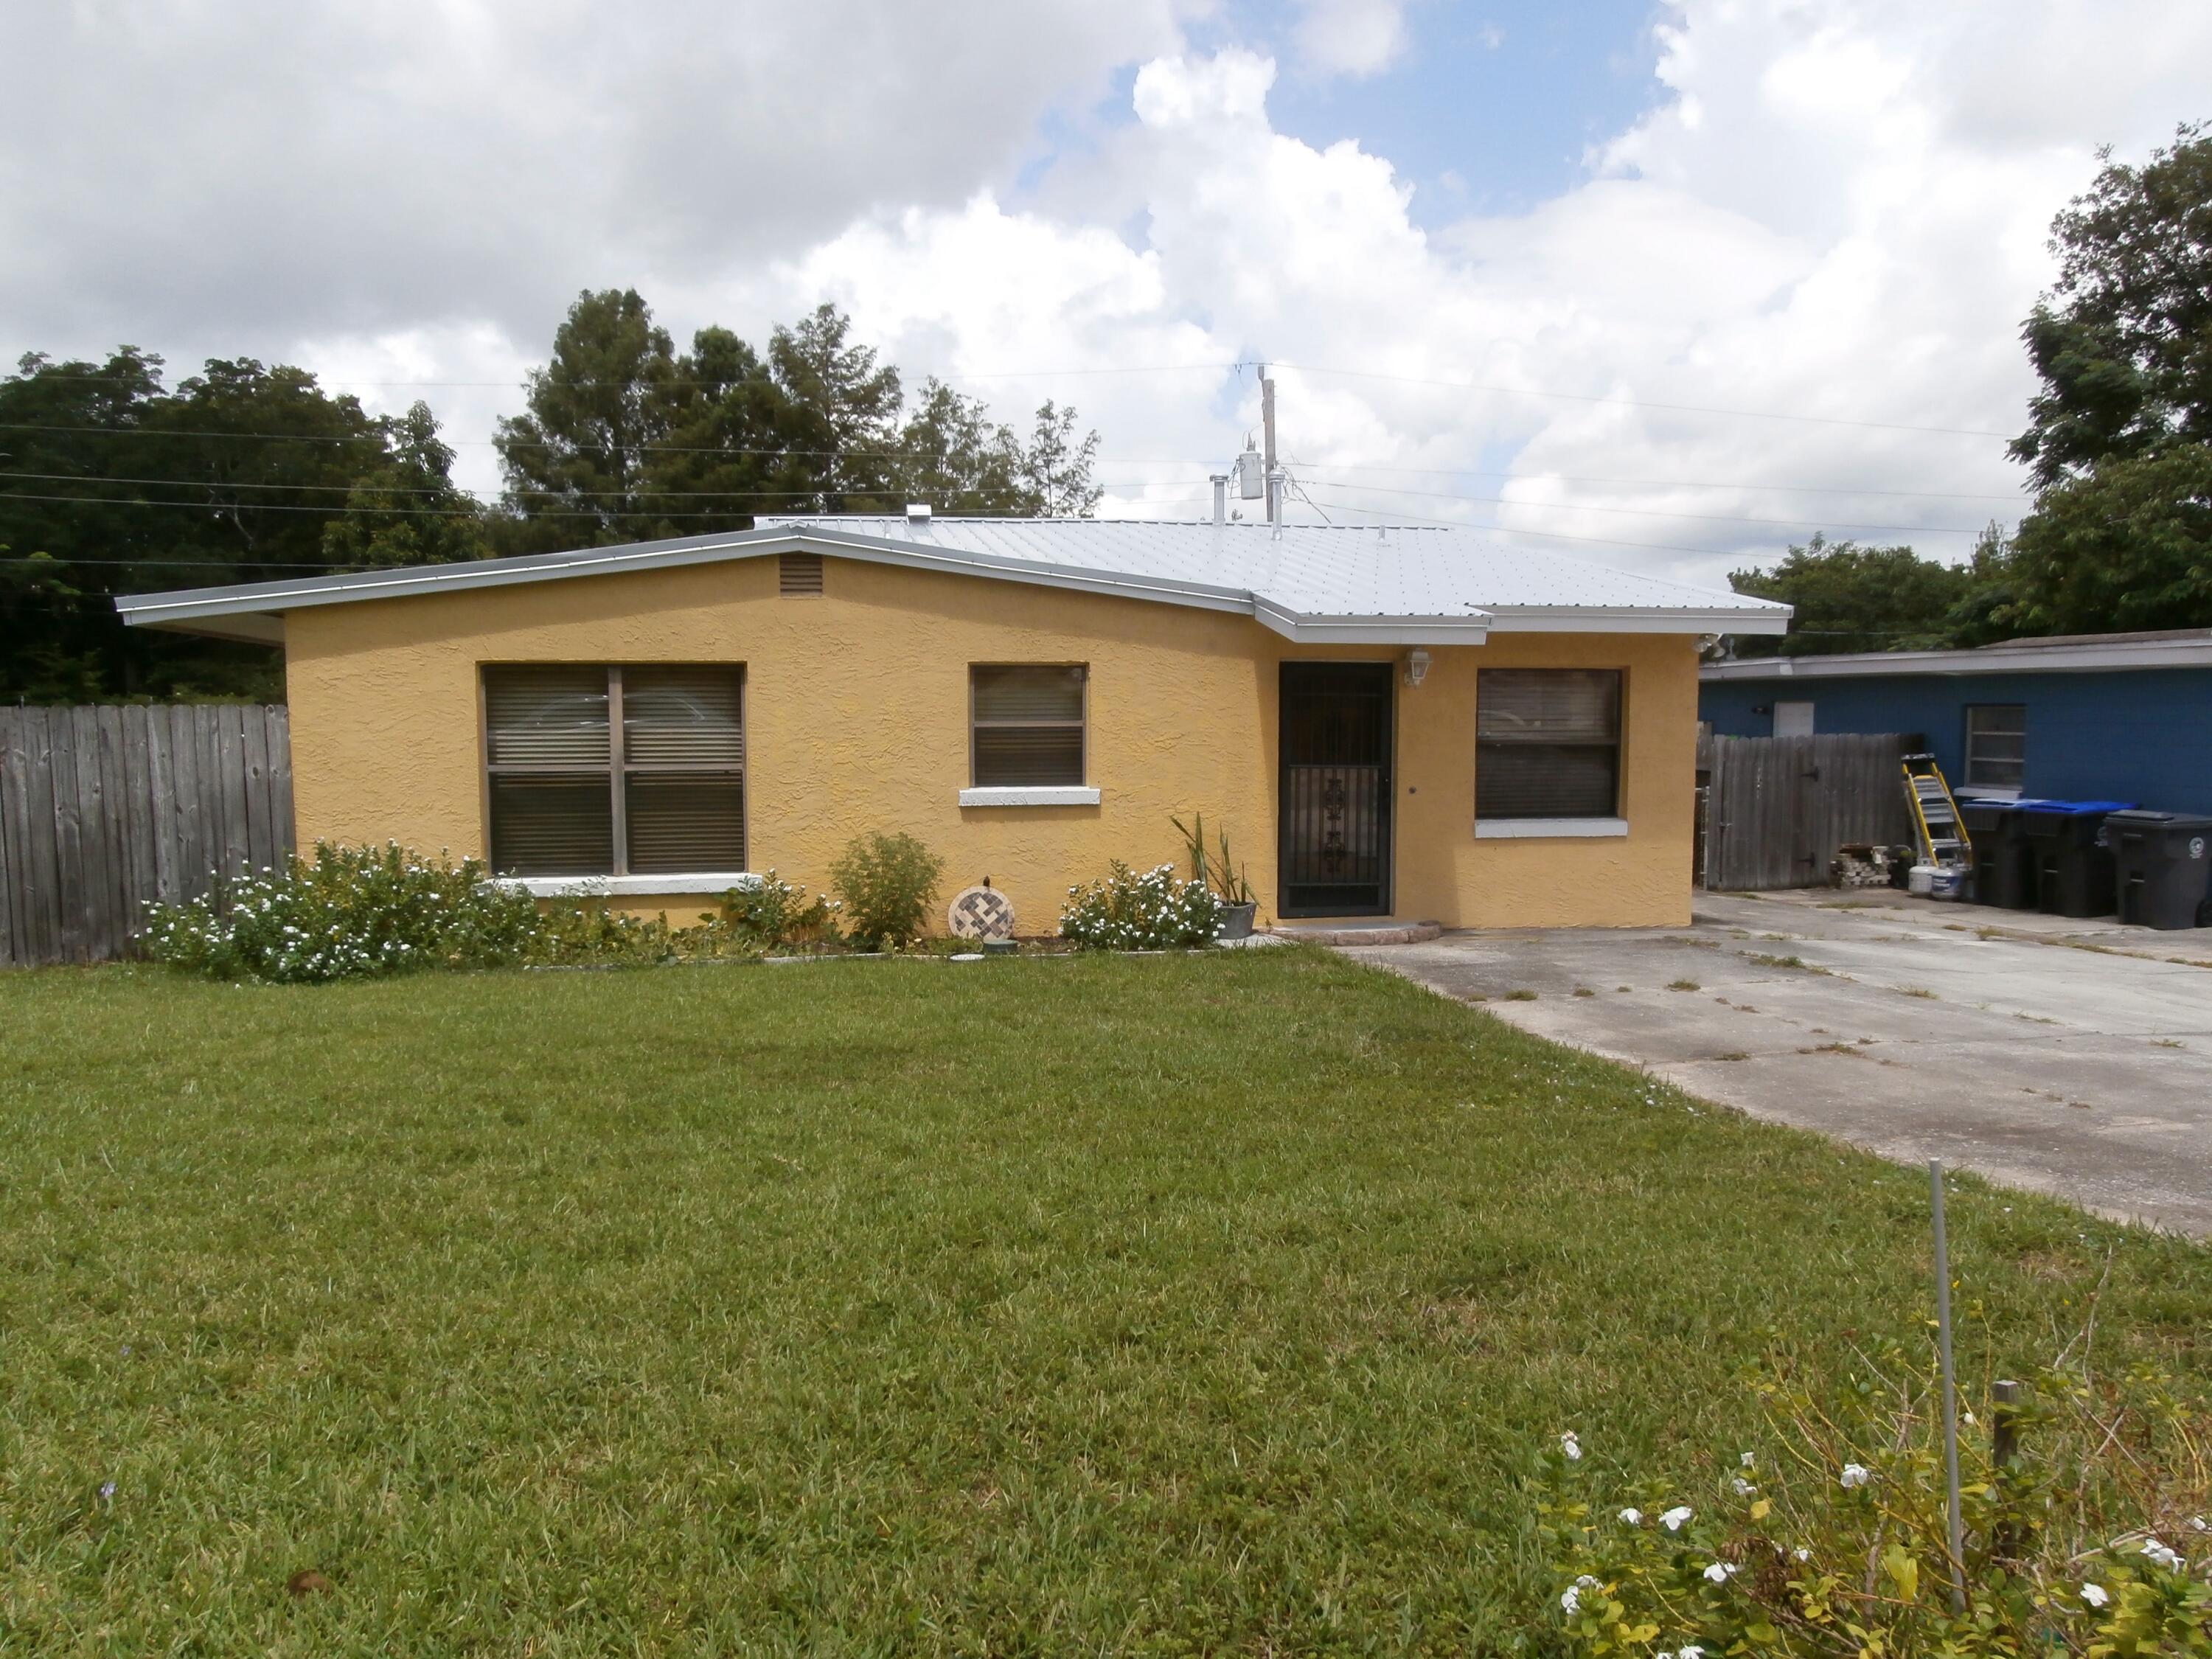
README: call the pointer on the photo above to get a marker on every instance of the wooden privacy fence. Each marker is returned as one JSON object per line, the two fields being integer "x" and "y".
{"x": 106, "y": 810}
{"x": 1778, "y": 808}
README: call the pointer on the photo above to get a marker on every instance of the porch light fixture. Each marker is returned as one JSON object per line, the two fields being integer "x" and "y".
{"x": 1417, "y": 666}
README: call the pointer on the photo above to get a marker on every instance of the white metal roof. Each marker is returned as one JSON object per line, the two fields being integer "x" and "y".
{"x": 1395, "y": 584}
{"x": 2075, "y": 654}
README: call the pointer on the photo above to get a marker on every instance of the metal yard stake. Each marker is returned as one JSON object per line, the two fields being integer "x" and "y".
{"x": 1950, "y": 1388}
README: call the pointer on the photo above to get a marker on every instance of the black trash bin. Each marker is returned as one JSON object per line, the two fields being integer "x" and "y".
{"x": 2073, "y": 874}
{"x": 2002, "y": 874}
{"x": 2161, "y": 861}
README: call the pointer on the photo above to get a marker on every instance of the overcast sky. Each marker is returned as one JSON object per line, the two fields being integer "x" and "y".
{"x": 1553, "y": 269}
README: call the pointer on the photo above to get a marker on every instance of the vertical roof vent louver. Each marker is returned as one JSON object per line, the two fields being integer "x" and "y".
{"x": 798, "y": 573}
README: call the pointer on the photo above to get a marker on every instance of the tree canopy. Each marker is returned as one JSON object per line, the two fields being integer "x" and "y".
{"x": 114, "y": 483}
{"x": 2120, "y": 437}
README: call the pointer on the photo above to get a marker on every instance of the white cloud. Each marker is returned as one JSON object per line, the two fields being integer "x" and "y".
{"x": 1834, "y": 208}
{"x": 1350, "y": 37}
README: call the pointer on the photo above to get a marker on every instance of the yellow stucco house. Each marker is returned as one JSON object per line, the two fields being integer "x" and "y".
{"x": 1404, "y": 722}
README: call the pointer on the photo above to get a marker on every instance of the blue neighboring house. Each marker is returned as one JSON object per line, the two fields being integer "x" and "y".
{"x": 2083, "y": 717}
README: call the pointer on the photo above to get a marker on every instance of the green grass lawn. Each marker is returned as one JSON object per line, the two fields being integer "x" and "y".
{"x": 1162, "y": 1305}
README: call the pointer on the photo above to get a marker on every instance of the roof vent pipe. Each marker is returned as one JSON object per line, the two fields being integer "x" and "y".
{"x": 1220, "y": 481}
{"x": 1275, "y": 481}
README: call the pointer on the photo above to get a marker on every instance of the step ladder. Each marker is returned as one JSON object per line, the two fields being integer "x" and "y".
{"x": 1943, "y": 838}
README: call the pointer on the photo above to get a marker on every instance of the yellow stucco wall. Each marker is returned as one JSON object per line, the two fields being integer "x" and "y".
{"x": 856, "y": 708}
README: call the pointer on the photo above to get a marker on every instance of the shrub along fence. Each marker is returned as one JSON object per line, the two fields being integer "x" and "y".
{"x": 1776, "y": 809}
{"x": 104, "y": 809}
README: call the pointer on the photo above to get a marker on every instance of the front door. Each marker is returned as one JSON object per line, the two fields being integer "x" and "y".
{"x": 1335, "y": 809}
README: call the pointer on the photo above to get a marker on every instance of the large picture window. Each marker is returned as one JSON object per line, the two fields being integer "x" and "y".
{"x": 1025, "y": 725}
{"x": 1997, "y": 746}
{"x": 1547, "y": 743}
{"x": 615, "y": 771}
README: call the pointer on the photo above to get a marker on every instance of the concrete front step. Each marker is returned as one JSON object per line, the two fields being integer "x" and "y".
{"x": 1354, "y": 932}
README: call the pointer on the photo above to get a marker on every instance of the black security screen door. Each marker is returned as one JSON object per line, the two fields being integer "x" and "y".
{"x": 1335, "y": 853}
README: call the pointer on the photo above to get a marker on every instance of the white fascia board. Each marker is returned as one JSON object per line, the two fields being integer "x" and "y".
{"x": 1634, "y": 619}
{"x": 269, "y": 600}
{"x": 705, "y": 882}
{"x": 2023, "y": 660}
{"x": 1471, "y": 629}
{"x": 1547, "y": 829}
{"x": 1065, "y": 794}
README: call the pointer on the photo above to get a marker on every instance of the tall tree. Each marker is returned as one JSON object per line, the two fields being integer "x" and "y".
{"x": 1849, "y": 598}
{"x": 579, "y": 460}
{"x": 844, "y": 411}
{"x": 2121, "y": 535}
{"x": 115, "y": 485}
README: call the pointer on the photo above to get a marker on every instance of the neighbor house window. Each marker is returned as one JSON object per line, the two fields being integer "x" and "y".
{"x": 615, "y": 771}
{"x": 1996, "y": 745}
{"x": 1025, "y": 725}
{"x": 1547, "y": 742}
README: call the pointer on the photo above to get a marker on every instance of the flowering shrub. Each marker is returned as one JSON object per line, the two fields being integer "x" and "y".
{"x": 346, "y": 913}
{"x": 1149, "y": 912}
{"x": 361, "y": 912}
{"x": 1833, "y": 1538}
{"x": 773, "y": 911}
{"x": 888, "y": 883}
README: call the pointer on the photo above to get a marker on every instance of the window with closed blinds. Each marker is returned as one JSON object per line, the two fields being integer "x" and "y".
{"x": 1547, "y": 742}
{"x": 615, "y": 771}
{"x": 1026, "y": 725}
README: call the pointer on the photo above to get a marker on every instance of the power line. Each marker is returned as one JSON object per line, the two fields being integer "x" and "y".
{"x": 1669, "y": 483}
{"x": 431, "y": 489}
{"x": 1645, "y": 403}
{"x": 457, "y": 512}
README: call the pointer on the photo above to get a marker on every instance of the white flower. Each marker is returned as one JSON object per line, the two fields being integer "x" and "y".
{"x": 1632, "y": 1515}
{"x": 1569, "y": 1445}
{"x": 1570, "y": 1598}
{"x": 2096, "y": 1595}
{"x": 1748, "y": 1459}
{"x": 1855, "y": 1475}
{"x": 1743, "y": 1487}
{"x": 1801, "y": 1553}
{"x": 1720, "y": 1572}
{"x": 1674, "y": 1518}
{"x": 2199, "y": 1524}
{"x": 1689, "y": 1650}
{"x": 2159, "y": 1554}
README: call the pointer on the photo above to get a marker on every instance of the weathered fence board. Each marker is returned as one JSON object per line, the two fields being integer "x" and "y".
{"x": 1778, "y": 808}
{"x": 106, "y": 810}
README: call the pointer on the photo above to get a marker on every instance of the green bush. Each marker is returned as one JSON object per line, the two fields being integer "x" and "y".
{"x": 347, "y": 913}
{"x": 888, "y": 883}
{"x": 773, "y": 911}
{"x": 1830, "y": 1534}
{"x": 362, "y": 912}
{"x": 1149, "y": 912}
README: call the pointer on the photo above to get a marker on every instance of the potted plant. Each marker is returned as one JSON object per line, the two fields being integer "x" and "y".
{"x": 1222, "y": 875}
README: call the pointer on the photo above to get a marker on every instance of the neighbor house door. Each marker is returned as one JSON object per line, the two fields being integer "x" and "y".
{"x": 1334, "y": 854}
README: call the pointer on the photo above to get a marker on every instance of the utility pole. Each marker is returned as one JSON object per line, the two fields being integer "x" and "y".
{"x": 1267, "y": 420}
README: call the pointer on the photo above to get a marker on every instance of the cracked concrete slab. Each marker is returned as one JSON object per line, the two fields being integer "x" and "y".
{"x": 2062, "y": 1056}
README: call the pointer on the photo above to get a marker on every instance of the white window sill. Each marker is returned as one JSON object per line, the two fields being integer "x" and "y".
{"x": 1071, "y": 794}
{"x": 1539, "y": 828}
{"x": 706, "y": 881}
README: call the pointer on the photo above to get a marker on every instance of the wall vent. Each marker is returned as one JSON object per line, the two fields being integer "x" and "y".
{"x": 799, "y": 573}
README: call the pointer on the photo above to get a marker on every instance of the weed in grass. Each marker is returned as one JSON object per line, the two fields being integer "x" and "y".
{"x": 1733, "y": 1053}
{"x": 1624, "y": 988}
{"x": 1053, "y": 1306}
{"x": 1684, "y": 985}
{"x": 1833, "y": 1049}
{"x": 1797, "y": 962}
{"x": 2166, "y": 1042}
{"x": 1520, "y": 994}
{"x": 1584, "y": 991}
{"x": 1921, "y": 991}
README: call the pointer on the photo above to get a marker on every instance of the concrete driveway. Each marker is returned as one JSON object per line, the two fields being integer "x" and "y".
{"x": 2066, "y": 1057}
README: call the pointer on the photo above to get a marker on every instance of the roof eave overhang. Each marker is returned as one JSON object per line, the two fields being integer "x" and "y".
{"x": 1313, "y": 629}
{"x": 1619, "y": 619}
{"x": 2052, "y": 660}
